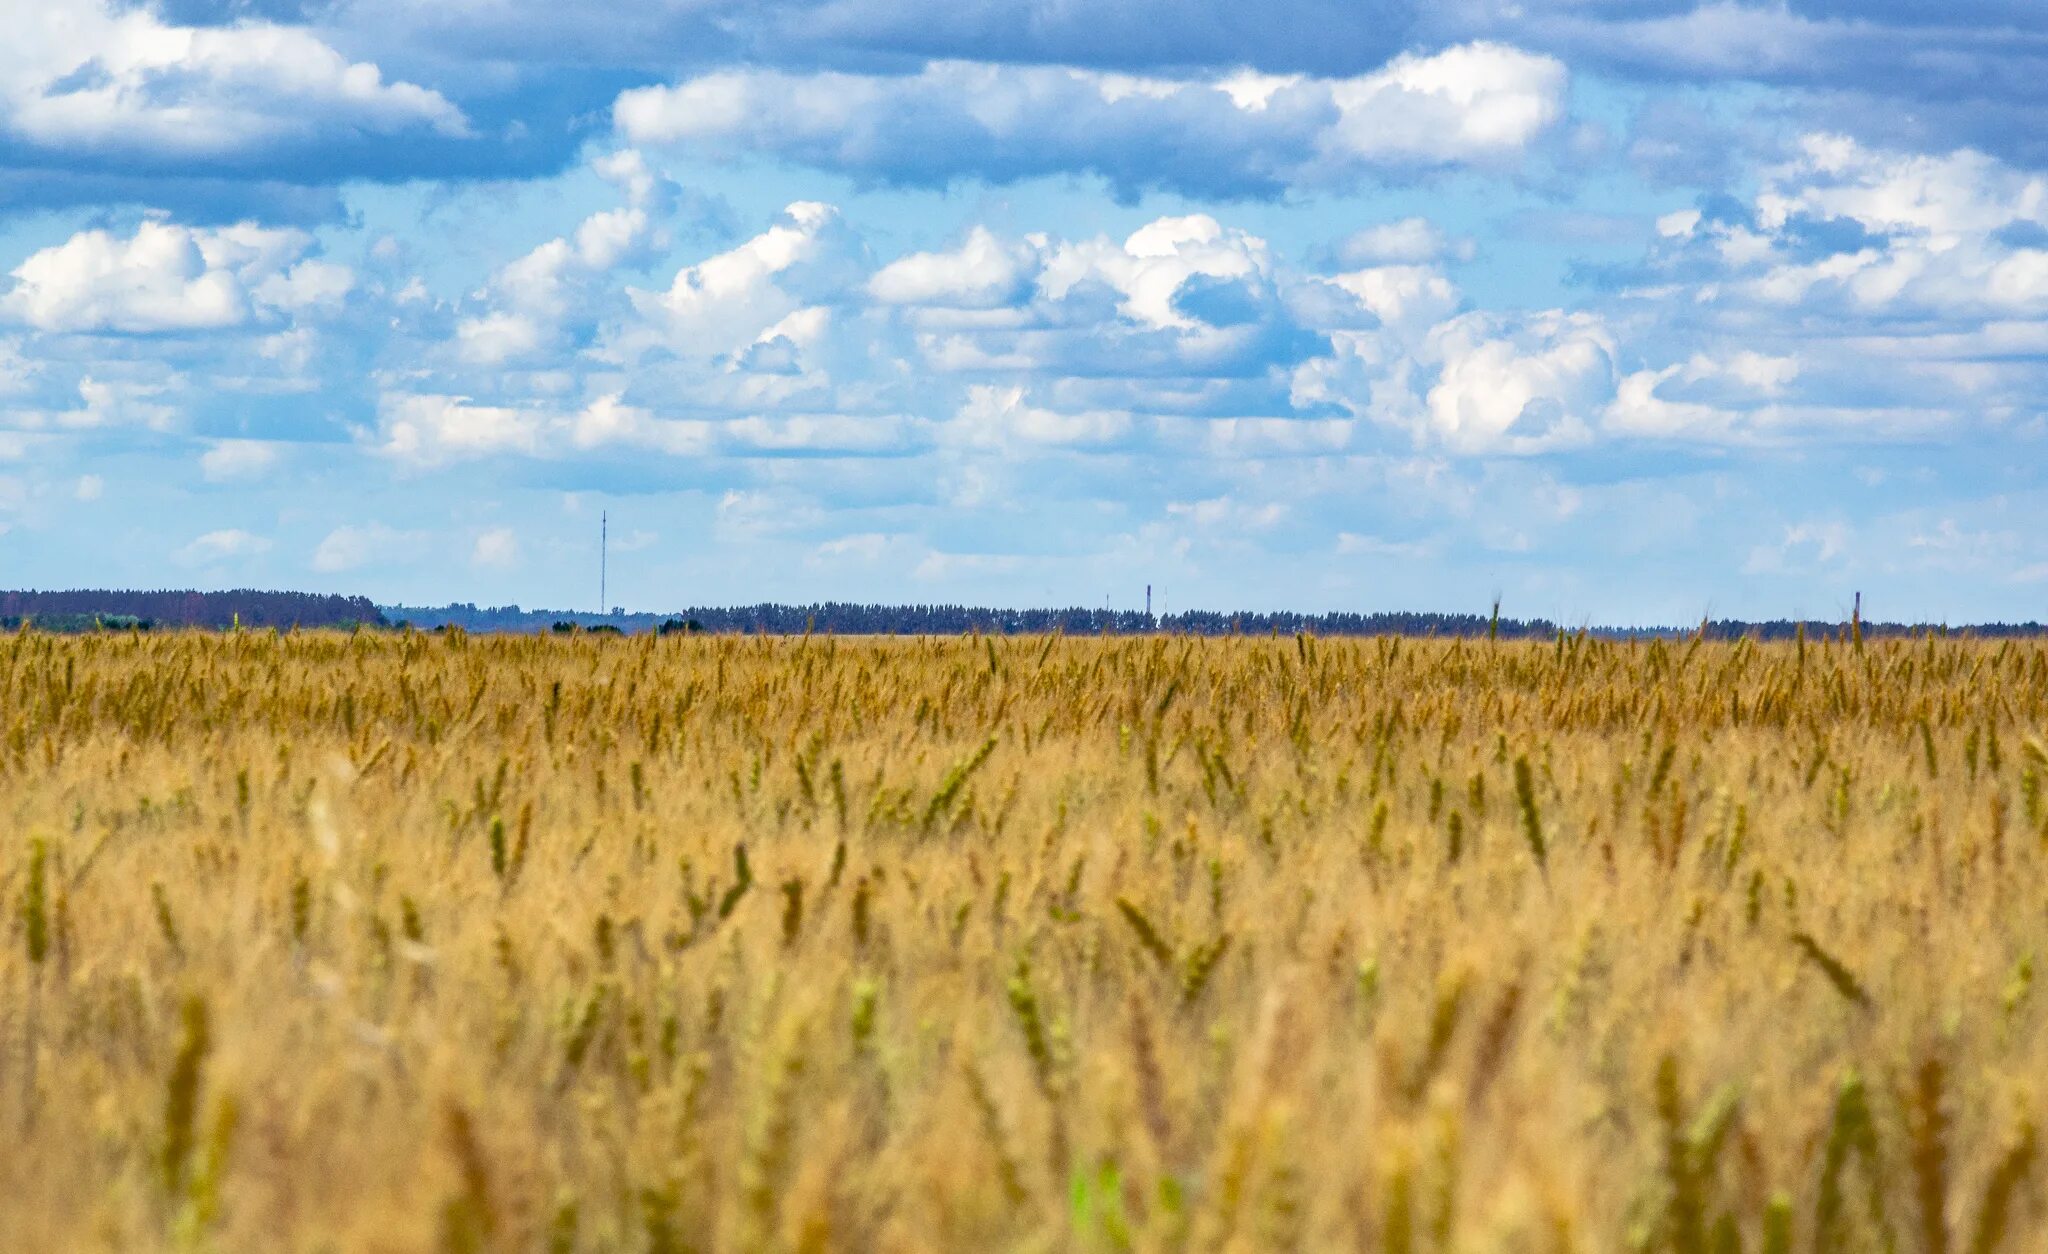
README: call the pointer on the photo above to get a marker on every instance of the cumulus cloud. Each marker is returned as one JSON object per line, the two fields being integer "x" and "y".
{"x": 220, "y": 546}
{"x": 1187, "y": 94}
{"x": 1327, "y": 36}
{"x": 1405, "y": 300}
{"x": 1862, "y": 291}
{"x": 531, "y": 302}
{"x": 429, "y": 429}
{"x": 1180, "y": 297}
{"x": 1409, "y": 241}
{"x": 167, "y": 277}
{"x": 231, "y": 460}
{"x": 762, "y": 290}
{"x": 864, "y": 547}
{"x": 89, "y": 76}
{"x": 1705, "y": 398}
{"x": 103, "y": 404}
{"x": 1968, "y": 70}
{"x": 1896, "y": 72}
{"x": 1479, "y": 382}
{"x": 607, "y": 421}
{"x": 1801, "y": 549}
{"x": 426, "y": 430}
{"x": 983, "y": 273}
{"x": 1519, "y": 385}
{"x": 1955, "y": 232}
{"x": 1230, "y": 133}
{"x": 1000, "y": 417}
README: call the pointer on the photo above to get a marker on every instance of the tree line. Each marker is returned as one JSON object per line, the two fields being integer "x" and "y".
{"x": 856, "y": 619}
{"x": 170, "y": 607}
{"x": 85, "y": 609}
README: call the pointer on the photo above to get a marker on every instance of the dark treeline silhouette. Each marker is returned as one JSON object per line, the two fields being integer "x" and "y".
{"x": 186, "y": 608}
{"x": 85, "y": 608}
{"x": 843, "y": 618}
{"x": 1786, "y": 629}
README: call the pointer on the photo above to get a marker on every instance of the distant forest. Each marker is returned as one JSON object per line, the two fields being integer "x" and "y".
{"x": 80, "y": 608}
{"x": 843, "y": 618}
{"x": 87, "y": 609}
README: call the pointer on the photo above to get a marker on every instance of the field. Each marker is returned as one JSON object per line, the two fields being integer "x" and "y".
{"x": 402, "y": 942}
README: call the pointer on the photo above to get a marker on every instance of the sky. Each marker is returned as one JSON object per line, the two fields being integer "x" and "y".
{"x": 1622, "y": 311}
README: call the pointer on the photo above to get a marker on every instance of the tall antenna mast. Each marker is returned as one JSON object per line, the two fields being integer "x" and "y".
{"x": 604, "y": 544}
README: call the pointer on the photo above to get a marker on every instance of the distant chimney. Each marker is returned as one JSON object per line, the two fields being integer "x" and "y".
{"x": 1148, "y": 600}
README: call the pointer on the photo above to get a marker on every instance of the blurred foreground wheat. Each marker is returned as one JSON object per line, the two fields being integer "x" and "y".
{"x": 397, "y": 942}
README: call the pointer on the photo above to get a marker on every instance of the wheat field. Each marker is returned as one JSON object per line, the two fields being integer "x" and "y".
{"x": 404, "y": 942}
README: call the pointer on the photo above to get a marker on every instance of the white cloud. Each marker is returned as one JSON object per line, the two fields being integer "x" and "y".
{"x": 230, "y": 460}
{"x": 220, "y": 546}
{"x": 1474, "y": 383}
{"x": 983, "y": 273}
{"x": 1473, "y": 103}
{"x": 89, "y": 488}
{"x": 1480, "y": 103}
{"x": 792, "y": 433}
{"x": 1407, "y": 300}
{"x": 1943, "y": 195}
{"x": 1407, "y": 242}
{"x": 1233, "y": 440}
{"x": 104, "y": 403}
{"x": 167, "y": 277}
{"x": 495, "y": 338}
{"x": 724, "y": 303}
{"x": 1958, "y": 234}
{"x": 1520, "y": 385}
{"x": 1803, "y": 547}
{"x": 531, "y": 297}
{"x": 627, "y": 170}
{"x": 1745, "y": 376}
{"x": 426, "y": 430}
{"x": 1864, "y": 292}
{"x": 608, "y": 421}
{"x": 430, "y": 428}
{"x": 1152, "y": 264}
{"x": 82, "y": 74}
{"x": 352, "y": 547}
{"x": 309, "y": 285}
{"x": 866, "y": 547}
{"x": 1182, "y": 296}
{"x": 1352, "y": 544}
{"x": 1679, "y": 223}
{"x": 999, "y": 417}
{"x": 496, "y": 549}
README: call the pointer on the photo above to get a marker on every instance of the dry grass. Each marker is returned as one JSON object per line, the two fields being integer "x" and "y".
{"x": 411, "y": 943}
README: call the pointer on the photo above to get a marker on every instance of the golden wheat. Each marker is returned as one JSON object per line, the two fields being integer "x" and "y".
{"x": 403, "y": 942}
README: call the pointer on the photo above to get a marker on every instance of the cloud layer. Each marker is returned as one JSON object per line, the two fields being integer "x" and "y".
{"x": 1616, "y": 307}
{"x": 1236, "y": 134}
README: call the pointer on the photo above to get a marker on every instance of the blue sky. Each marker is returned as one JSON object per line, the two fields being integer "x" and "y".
{"x": 1625, "y": 312}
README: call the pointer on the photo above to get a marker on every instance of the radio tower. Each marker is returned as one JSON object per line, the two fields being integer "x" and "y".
{"x": 604, "y": 541}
